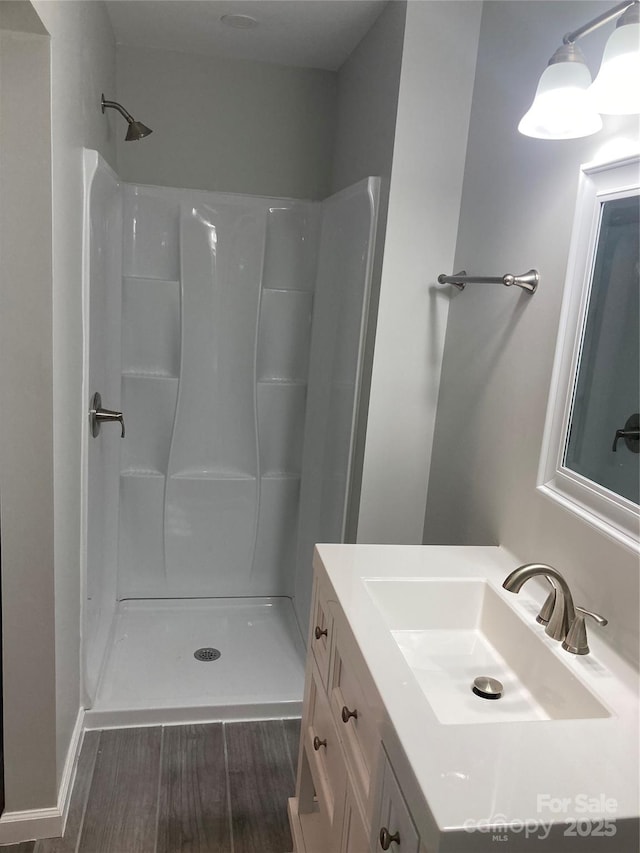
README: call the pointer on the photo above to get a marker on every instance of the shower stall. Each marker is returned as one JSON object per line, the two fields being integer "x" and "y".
{"x": 228, "y": 330}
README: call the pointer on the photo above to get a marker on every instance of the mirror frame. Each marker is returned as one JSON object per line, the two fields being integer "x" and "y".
{"x": 612, "y": 514}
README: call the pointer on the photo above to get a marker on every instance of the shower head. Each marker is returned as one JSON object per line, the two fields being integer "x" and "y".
{"x": 136, "y": 129}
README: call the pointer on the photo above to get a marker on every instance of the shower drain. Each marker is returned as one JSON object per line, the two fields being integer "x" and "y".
{"x": 206, "y": 654}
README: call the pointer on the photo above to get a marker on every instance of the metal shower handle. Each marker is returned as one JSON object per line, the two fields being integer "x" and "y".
{"x": 98, "y": 416}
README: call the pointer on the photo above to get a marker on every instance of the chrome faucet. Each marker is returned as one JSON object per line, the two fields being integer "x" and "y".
{"x": 563, "y": 613}
{"x": 558, "y": 613}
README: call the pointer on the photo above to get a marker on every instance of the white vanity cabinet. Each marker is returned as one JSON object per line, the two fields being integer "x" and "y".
{"x": 398, "y": 753}
{"x": 347, "y": 792}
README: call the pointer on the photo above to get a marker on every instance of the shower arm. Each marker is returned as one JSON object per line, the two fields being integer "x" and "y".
{"x": 114, "y": 105}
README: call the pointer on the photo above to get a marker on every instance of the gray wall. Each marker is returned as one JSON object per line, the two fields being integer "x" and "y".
{"x": 82, "y": 65}
{"x": 367, "y": 102}
{"x": 434, "y": 106}
{"x": 517, "y": 212}
{"x": 368, "y": 84}
{"x": 26, "y": 449}
{"x": 226, "y": 125}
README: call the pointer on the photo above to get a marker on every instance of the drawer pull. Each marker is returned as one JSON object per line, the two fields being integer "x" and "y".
{"x": 320, "y": 632}
{"x": 386, "y": 838}
{"x": 347, "y": 714}
{"x": 317, "y": 743}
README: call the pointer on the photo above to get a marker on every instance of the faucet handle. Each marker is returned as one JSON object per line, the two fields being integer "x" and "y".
{"x": 98, "y": 416}
{"x": 596, "y": 616}
{"x": 576, "y": 639}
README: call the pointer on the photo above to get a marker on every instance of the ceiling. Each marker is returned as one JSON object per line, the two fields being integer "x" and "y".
{"x": 307, "y": 33}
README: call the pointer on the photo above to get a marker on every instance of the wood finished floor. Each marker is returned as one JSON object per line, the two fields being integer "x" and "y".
{"x": 215, "y": 788}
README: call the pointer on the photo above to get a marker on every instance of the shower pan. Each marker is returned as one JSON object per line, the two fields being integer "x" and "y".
{"x": 228, "y": 330}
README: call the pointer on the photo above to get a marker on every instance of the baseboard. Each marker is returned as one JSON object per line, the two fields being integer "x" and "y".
{"x": 29, "y": 824}
{"x": 46, "y": 823}
{"x": 70, "y": 768}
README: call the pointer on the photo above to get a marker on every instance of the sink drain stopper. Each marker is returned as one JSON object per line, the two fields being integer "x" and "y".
{"x": 206, "y": 654}
{"x": 487, "y": 688}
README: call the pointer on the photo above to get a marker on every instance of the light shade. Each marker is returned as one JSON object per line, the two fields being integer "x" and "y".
{"x": 616, "y": 89}
{"x": 562, "y": 108}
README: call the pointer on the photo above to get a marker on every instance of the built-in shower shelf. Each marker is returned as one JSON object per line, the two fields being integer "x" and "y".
{"x": 137, "y": 374}
{"x": 140, "y": 279}
{"x": 280, "y": 475}
{"x": 142, "y": 472}
{"x": 299, "y": 383}
{"x": 308, "y": 290}
{"x": 211, "y": 475}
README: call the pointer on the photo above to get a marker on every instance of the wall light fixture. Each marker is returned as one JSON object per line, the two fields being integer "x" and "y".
{"x": 567, "y": 105}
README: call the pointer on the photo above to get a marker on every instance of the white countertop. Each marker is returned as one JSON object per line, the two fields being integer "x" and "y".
{"x": 497, "y": 773}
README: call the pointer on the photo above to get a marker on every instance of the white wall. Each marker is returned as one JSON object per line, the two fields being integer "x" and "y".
{"x": 367, "y": 105}
{"x": 440, "y": 43}
{"x": 82, "y": 66}
{"x": 227, "y": 125}
{"x": 517, "y": 212}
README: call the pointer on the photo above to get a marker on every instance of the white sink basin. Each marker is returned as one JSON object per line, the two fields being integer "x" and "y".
{"x": 451, "y": 631}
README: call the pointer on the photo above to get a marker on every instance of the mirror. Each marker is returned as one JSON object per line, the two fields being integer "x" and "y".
{"x": 590, "y": 461}
{"x": 604, "y": 431}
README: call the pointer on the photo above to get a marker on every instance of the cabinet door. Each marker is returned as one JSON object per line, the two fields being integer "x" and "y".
{"x": 393, "y": 827}
{"x": 352, "y": 698}
{"x": 324, "y": 752}
{"x": 355, "y": 833}
{"x": 321, "y": 630}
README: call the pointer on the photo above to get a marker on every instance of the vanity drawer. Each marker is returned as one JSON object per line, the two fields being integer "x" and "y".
{"x": 321, "y": 630}
{"x": 324, "y": 753}
{"x": 353, "y": 711}
{"x": 393, "y": 819}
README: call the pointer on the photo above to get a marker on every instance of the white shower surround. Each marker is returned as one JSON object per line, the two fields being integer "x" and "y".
{"x": 215, "y": 351}
{"x": 223, "y": 486}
